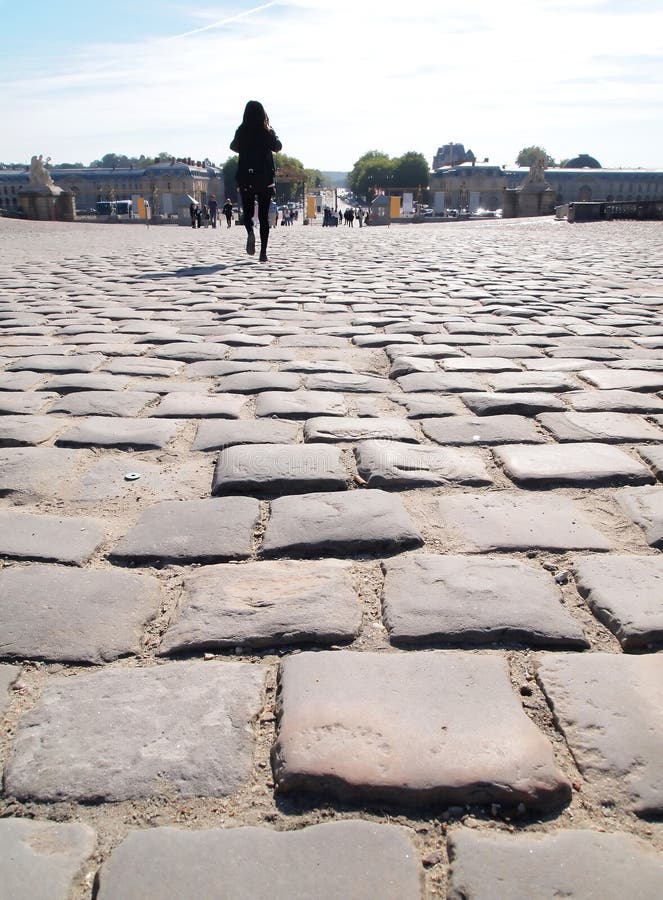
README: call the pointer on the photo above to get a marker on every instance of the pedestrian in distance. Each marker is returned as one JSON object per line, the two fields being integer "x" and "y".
{"x": 193, "y": 206}
{"x": 228, "y": 212}
{"x": 255, "y": 141}
{"x": 199, "y": 215}
{"x": 213, "y": 207}
{"x": 205, "y": 215}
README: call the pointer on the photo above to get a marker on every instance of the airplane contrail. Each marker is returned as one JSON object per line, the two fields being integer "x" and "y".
{"x": 222, "y": 22}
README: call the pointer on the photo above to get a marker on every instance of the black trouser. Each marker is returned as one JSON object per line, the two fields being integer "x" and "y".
{"x": 249, "y": 196}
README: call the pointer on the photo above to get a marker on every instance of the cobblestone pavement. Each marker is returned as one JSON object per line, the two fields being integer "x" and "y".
{"x": 337, "y": 576}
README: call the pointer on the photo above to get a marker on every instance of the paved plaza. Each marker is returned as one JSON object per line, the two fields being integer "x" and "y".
{"x": 338, "y": 576}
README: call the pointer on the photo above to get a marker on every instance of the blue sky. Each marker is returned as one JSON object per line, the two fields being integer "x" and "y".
{"x": 338, "y": 77}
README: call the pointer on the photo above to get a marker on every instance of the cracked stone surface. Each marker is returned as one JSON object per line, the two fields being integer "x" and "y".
{"x": 219, "y": 435}
{"x": 599, "y": 426}
{"x": 74, "y": 615}
{"x": 336, "y": 859}
{"x": 486, "y": 430}
{"x": 265, "y": 604}
{"x": 393, "y": 464}
{"x": 326, "y": 523}
{"x": 610, "y": 710}
{"x": 428, "y": 599}
{"x": 62, "y": 539}
{"x": 123, "y": 433}
{"x": 185, "y": 728}
{"x": 626, "y": 594}
{"x": 508, "y": 520}
{"x": 192, "y": 530}
{"x": 645, "y": 507}
{"x": 341, "y": 732}
{"x": 329, "y": 428}
{"x": 582, "y": 464}
{"x": 570, "y": 863}
{"x": 347, "y": 338}
{"x": 8, "y": 675}
{"x": 39, "y": 860}
{"x": 288, "y": 468}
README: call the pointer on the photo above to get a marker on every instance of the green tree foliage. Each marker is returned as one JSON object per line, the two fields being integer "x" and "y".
{"x": 411, "y": 170}
{"x": 122, "y": 161}
{"x": 528, "y": 155}
{"x": 375, "y": 171}
{"x": 372, "y": 171}
{"x": 229, "y": 172}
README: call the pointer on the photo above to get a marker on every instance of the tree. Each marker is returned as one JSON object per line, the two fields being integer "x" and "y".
{"x": 229, "y": 172}
{"x": 411, "y": 170}
{"x": 528, "y": 155}
{"x": 372, "y": 172}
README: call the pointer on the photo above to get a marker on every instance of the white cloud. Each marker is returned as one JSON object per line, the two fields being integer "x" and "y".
{"x": 339, "y": 77}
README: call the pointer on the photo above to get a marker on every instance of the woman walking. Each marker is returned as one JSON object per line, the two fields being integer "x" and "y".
{"x": 255, "y": 141}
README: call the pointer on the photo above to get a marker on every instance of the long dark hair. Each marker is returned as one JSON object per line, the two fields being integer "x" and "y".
{"x": 255, "y": 118}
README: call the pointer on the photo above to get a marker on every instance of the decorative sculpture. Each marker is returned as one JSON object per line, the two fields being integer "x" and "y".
{"x": 39, "y": 176}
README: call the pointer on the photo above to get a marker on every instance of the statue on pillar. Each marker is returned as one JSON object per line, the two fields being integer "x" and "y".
{"x": 39, "y": 176}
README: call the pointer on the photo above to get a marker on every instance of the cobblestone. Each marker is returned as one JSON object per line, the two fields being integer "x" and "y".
{"x": 457, "y": 687}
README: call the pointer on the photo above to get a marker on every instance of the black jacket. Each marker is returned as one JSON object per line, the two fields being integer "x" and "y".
{"x": 256, "y": 163}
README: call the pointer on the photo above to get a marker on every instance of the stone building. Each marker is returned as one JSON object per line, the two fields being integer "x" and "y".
{"x": 481, "y": 184}
{"x": 167, "y": 186}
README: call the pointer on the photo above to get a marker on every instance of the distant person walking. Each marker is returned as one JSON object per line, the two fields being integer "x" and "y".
{"x": 255, "y": 141}
{"x": 193, "y": 207}
{"x": 228, "y": 212}
{"x": 213, "y": 207}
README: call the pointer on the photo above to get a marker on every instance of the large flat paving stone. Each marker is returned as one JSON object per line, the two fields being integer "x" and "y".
{"x": 507, "y": 520}
{"x": 8, "y": 675}
{"x": 423, "y": 406}
{"x": 614, "y": 401}
{"x": 283, "y": 468}
{"x": 610, "y": 710}
{"x": 96, "y": 381}
{"x": 347, "y": 523}
{"x": 652, "y": 455}
{"x": 119, "y": 734}
{"x": 115, "y": 477}
{"x": 645, "y": 506}
{"x": 623, "y": 379}
{"x": 347, "y": 428}
{"x": 410, "y": 728}
{"x": 40, "y": 860}
{"x": 24, "y": 402}
{"x": 85, "y": 362}
{"x": 347, "y": 383}
{"x": 182, "y": 531}
{"x": 465, "y": 430}
{"x": 624, "y": 592}
{"x": 532, "y": 381}
{"x": 593, "y": 465}
{"x": 265, "y": 604}
{"x": 393, "y": 464}
{"x": 64, "y": 539}
{"x": 578, "y": 864}
{"x": 599, "y": 426}
{"x": 185, "y": 405}
{"x": 219, "y": 435}
{"x": 528, "y": 403}
{"x": 121, "y": 433}
{"x": 103, "y": 403}
{"x": 428, "y": 598}
{"x": 73, "y": 615}
{"x": 256, "y": 382}
{"x": 26, "y": 431}
{"x": 442, "y": 382}
{"x": 300, "y": 404}
{"x": 335, "y": 860}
